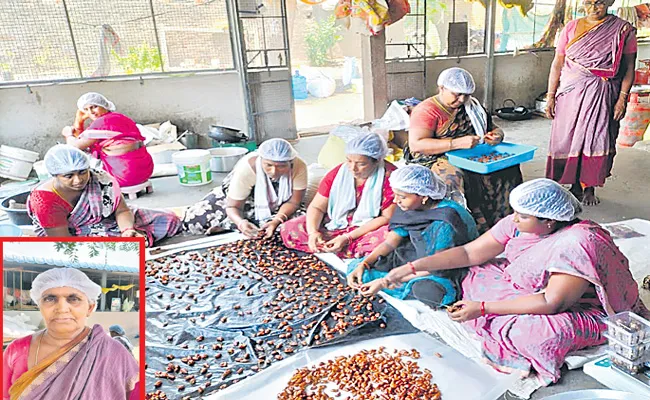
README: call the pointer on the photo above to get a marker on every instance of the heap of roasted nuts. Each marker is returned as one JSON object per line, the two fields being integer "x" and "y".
{"x": 490, "y": 157}
{"x": 284, "y": 301}
{"x": 369, "y": 374}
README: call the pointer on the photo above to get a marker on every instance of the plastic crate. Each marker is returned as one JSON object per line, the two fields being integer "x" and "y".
{"x": 520, "y": 154}
{"x": 627, "y": 366}
{"x": 630, "y": 352}
{"x": 628, "y": 328}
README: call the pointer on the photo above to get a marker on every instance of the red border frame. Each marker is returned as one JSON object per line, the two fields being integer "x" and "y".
{"x": 142, "y": 300}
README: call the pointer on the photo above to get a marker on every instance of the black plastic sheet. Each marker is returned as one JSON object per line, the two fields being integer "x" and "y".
{"x": 218, "y": 315}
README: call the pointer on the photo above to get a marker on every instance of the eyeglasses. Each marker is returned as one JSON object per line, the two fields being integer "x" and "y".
{"x": 594, "y": 4}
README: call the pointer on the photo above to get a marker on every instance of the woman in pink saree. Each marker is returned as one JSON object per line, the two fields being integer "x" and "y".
{"x": 588, "y": 87}
{"x": 560, "y": 277}
{"x": 67, "y": 360}
{"x": 113, "y": 138}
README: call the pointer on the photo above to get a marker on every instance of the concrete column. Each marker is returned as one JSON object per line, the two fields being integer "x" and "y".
{"x": 375, "y": 84}
{"x": 102, "y": 299}
{"x": 490, "y": 8}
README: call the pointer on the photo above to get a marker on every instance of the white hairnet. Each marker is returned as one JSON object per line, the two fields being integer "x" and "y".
{"x": 416, "y": 179}
{"x": 457, "y": 80}
{"x": 94, "y": 99}
{"x": 369, "y": 145}
{"x": 64, "y": 158}
{"x": 544, "y": 198}
{"x": 64, "y": 277}
{"x": 278, "y": 150}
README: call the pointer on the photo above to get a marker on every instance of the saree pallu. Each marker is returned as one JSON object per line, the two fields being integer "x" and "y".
{"x": 93, "y": 366}
{"x": 425, "y": 233}
{"x": 128, "y": 169}
{"x": 584, "y": 132}
{"x": 487, "y": 195}
{"x": 94, "y": 214}
{"x": 541, "y": 342}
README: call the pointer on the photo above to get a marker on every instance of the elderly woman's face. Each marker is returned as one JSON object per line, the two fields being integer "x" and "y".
{"x": 274, "y": 170}
{"x": 408, "y": 201}
{"x": 65, "y": 309}
{"x": 596, "y": 9}
{"x": 75, "y": 180}
{"x": 361, "y": 166}
{"x": 94, "y": 112}
{"x": 453, "y": 99}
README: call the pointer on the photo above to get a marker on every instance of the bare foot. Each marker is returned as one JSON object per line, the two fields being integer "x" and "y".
{"x": 590, "y": 198}
{"x": 576, "y": 190}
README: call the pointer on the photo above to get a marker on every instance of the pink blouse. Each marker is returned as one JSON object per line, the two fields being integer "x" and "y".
{"x": 14, "y": 363}
{"x": 569, "y": 32}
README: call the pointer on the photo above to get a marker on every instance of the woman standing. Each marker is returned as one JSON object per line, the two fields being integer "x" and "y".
{"x": 588, "y": 87}
{"x": 453, "y": 120}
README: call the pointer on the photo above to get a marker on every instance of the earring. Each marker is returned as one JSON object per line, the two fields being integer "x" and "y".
{"x": 549, "y": 225}
{"x": 424, "y": 200}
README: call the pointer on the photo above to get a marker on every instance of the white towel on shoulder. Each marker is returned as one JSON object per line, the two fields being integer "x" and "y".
{"x": 343, "y": 198}
{"x": 266, "y": 200}
{"x": 477, "y": 115}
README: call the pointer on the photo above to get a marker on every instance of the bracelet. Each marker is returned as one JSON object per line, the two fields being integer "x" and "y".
{"x": 241, "y": 222}
{"x": 312, "y": 233}
{"x": 282, "y": 215}
{"x": 482, "y": 309}
{"x": 413, "y": 270}
{"x": 450, "y": 144}
{"x": 365, "y": 265}
{"x": 348, "y": 238}
{"x": 276, "y": 218}
{"x": 131, "y": 228}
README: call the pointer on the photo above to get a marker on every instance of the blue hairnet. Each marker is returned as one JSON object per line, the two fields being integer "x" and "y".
{"x": 94, "y": 99}
{"x": 457, "y": 80}
{"x": 369, "y": 145}
{"x": 117, "y": 329}
{"x": 64, "y": 158}
{"x": 416, "y": 179}
{"x": 64, "y": 277}
{"x": 278, "y": 150}
{"x": 544, "y": 198}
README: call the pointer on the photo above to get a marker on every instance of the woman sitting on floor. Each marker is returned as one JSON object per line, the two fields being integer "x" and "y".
{"x": 78, "y": 201}
{"x": 112, "y": 138}
{"x": 424, "y": 223}
{"x": 560, "y": 277}
{"x": 67, "y": 360}
{"x": 263, "y": 190}
{"x": 354, "y": 204}
{"x": 452, "y": 120}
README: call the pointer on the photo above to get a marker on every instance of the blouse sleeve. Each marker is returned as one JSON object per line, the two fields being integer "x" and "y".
{"x": 563, "y": 39}
{"x": 630, "y": 43}
{"x": 14, "y": 363}
{"x": 50, "y": 210}
{"x": 504, "y": 230}
{"x": 422, "y": 117}
{"x": 326, "y": 184}
{"x": 242, "y": 181}
{"x": 299, "y": 175}
{"x": 387, "y": 190}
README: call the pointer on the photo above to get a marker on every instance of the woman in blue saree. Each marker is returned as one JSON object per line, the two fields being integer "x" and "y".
{"x": 424, "y": 223}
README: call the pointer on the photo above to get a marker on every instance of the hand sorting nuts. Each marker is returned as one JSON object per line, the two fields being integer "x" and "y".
{"x": 293, "y": 300}
{"x": 369, "y": 375}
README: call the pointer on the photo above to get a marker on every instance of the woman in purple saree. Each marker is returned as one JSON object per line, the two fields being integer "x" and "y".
{"x": 67, "y": 360}
{"x": 589, "y": 84}
{"x": 548, "y": 296}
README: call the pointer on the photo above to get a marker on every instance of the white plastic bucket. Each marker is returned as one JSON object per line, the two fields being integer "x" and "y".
{"x": 16, "y": 163}
{"x": 193, "y": 167}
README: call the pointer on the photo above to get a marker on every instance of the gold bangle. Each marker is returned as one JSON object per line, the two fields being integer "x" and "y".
{"x": 450, "y": 144}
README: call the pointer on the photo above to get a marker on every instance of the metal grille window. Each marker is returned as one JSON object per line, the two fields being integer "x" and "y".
{"x": 427, "y": 29}
{"x": 50, "y": 40}
{"x": 262, "y": 27}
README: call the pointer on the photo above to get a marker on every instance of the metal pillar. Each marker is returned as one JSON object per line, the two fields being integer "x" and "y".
{"x": 490, "y": 8}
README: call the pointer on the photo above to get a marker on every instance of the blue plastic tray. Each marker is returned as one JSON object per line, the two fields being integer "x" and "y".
{"x": 522, "y": 153}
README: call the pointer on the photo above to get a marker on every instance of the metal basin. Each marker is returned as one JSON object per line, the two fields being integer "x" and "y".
{"x": 225, "y": 134}
{"x": 223, "y": 159}
{"x": 17, "y": 216}
{"x": 596, "y": 394}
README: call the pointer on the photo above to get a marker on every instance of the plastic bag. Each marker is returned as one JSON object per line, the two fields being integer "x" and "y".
{"x": 321, "y": 86}
{"x": 350, "y": 70}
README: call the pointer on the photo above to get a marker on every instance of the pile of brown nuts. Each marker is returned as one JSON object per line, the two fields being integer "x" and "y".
{"x": 369, "y": 375}
{"x": 490, "y": 157}
{"x": 302, "y": 302}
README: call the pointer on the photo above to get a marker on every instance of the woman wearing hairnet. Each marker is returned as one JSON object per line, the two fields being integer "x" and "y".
{"x": 78, "y": 201}
{"x": 453, "y": 120}
{"x": 349, "y": 214}
{"x": 263, "y": 190}
{"x": 560, "y": 277}
{"x": 67, "y": 359}
{"x": 424, "y": 223}
{"x": 112, "y": 137}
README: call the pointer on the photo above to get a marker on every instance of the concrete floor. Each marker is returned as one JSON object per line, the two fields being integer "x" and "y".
{"x": 626, "y": 196}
